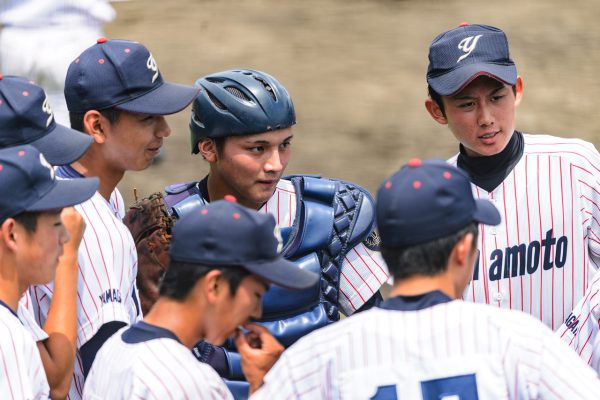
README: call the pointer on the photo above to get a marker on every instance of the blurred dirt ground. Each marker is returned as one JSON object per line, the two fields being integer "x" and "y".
{"x": 356, "y": 72}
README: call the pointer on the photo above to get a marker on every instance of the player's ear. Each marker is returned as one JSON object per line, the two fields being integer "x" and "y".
{"x": 435, "y": 111}
{"x": 9, "y": 232}
{"x": 463, "y": 250}
{"x": 518, "y": 90}
{"x": 208, "y": 149}
{"x": 213, "y": 285}
{"x": 94, "y": 124}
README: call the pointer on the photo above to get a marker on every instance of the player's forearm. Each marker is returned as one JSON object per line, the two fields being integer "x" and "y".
{"x": 58, "y": 364}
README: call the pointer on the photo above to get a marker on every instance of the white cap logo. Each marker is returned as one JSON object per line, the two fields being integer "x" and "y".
{"x": 277, "y": 234}
{"x": 48, "y": 110}
{"x": 151, "y": 65}
{"x": 47, "y": 165}
{"x": 467, "y": 45}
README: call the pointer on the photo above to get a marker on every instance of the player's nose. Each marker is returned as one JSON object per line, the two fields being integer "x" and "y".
{"x": 484, "y": 115}
{"x": 274, "y": 163}
{"x": 162, "y": 127}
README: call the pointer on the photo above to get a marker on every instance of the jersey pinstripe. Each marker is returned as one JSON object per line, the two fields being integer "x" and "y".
{"x": 541, "y": 258}
{"x": 160, "y": 368}
{"x": 22, "y": 374}
{"x": 106, "y": 288}
{"x": 580, "y": 329}
{"x": 492, "y": 353}
{"x": 363, "y": 271}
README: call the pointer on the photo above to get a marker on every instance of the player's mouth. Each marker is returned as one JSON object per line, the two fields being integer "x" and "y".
{"x": 488, "y": 138}
{"x": 155, "y": 149}
{"x": 268, "y": 183}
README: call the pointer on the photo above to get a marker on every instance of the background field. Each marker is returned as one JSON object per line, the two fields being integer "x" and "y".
{"x": 356, "y": 72}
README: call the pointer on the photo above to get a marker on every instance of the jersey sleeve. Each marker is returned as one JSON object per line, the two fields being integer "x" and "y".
{"x": 27, "y": 319}
{"x": 363, "y": 273}
{"x": 580, "y": 329}
{"x": 563, "y": 375}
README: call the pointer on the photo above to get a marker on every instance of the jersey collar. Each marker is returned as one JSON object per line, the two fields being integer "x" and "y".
{"x": 143, "y": 332}
{"x": 415, "y": 303}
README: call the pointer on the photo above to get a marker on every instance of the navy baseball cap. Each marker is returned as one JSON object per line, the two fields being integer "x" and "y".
{"x": 226, "y": 234}
{"x": 122, "y": 74}
{"x": 427, "y": 200}
{"x": 26, "y": 118}
{"x": 458, "y": 56}
{"x": 28, "y": 183}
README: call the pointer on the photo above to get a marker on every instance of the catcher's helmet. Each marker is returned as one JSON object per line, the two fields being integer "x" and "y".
{"x": 239, "y": 102}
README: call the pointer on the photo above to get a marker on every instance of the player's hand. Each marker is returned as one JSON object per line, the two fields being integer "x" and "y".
{"x": 259, "y": 350}
{"x": 75, "y": 225}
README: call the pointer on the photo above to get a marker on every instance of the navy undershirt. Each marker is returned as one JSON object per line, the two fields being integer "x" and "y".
{"x": 490, "y": 171}
{"x": 415, "y": 303}
{"x": 142, "y": 332}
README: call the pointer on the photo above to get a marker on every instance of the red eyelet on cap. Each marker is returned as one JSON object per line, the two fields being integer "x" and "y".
{"x": 463, "y": 24}
{"x": 230, "y": 198}
{"x": 101, "y": 40}
{"x": 388, "y": 184}
{"x": 417, "y": 184}
{"x": 204, "y": 211}
{"x": 1, "y": 77}
{"x": 414, "y": 162}
{"x": 447, "y": 175}
{"x": 236, "y": 215}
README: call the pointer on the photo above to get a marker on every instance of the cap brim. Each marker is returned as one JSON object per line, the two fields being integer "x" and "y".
{"x": 486, "y": 213}
{"x": 62, "y": 145}
{"x": 457, "y": 79}
{"x": 166, "y": 99}
{"x": 284, "y": 273}
{"x": 66, "y": 193}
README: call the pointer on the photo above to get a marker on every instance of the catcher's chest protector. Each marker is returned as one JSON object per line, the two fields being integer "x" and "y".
{"x": 331, "y": 218}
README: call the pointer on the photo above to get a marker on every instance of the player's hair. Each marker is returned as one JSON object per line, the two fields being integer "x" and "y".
{"x": 111, "y": 114}
{"x": 437, "y": 98}
{"x": 28, "y": 219}
{"x": 429, "y": 258}
{"x": 181, "y": 277}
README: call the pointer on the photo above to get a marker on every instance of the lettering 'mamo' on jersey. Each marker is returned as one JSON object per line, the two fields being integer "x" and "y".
{"x": 110, "y": 296}
{"x": 525, "y": 258}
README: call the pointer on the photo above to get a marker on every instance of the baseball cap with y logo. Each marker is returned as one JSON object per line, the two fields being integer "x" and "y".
{"x": 28, "y": 183}
{"x": 26, "y": 118}
{"x": 226, "y": 234}
{"x": 427, "y": 200}
{"x": 122, "y": 74}
{"x": 458, "y": 56}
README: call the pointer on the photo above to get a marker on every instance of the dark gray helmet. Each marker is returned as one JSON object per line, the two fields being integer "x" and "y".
{"x": 239, "y": 102}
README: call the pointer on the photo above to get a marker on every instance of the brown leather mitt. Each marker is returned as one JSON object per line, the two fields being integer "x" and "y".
{"x": 150, "y": 225}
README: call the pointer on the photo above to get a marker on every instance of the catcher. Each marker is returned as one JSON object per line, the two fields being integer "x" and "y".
{"x": 242, "y": 126}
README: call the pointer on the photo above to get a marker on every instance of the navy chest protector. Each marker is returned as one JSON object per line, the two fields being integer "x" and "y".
{"x": 332, "y": 217}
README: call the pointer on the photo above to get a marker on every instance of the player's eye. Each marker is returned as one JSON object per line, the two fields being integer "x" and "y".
{"x": 466, "y": 104}
{"x": 285, "y": 145}
{"x": 256, "y": 149}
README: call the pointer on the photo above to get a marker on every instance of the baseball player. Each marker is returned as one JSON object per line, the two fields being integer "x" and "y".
{"x": 242, "y": 125}
{"x": 541, "y": 258}
{"x": 31, "y": 241}
{"x": 424, "y": 342}
{"x": 40, "y": 38}
{"x": 222, "y": 259}
{"x": 27, "y": 118}
{"x": 116, "y": 95}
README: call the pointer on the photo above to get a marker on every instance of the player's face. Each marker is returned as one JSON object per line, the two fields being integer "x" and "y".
{"x": 40, "y": 250}
{"x": 482, "y": 116}
{"x": 134, "y": 140}
{"x": 236, "y": 310}
{"x": 249, "y": 167}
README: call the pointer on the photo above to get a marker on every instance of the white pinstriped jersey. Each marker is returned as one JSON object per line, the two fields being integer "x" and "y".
{"x": 448, "y": 351}
{"x": 24, "y": 311}
{"x": 596, "y": 355}
{"x": 108, "y": 267}
{"x": 580, "y": 329}
{"x": 540, "y": 259}
{"x": 22, "y": 374}
{"x": 152, "y": 365}
{"x": 363, "y": 271}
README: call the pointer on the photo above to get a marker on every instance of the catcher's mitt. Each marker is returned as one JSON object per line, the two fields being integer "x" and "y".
{"x": 150, "y": 225}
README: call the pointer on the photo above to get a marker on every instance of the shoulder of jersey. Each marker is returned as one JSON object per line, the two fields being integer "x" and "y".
{"x": 568, "y": 147}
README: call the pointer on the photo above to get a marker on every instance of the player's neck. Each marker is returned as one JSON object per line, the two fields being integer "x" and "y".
{"x": 10, "y": 288}
{"x": 420, "y": 284}
{"x": 178, "y": 318}
{"x": 109, "y": 177}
